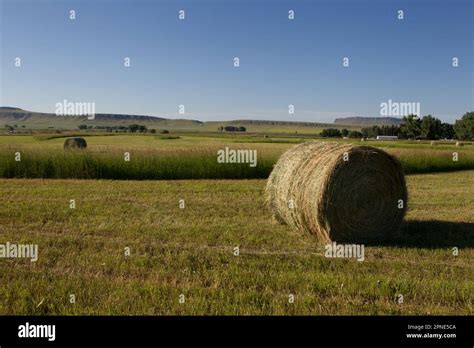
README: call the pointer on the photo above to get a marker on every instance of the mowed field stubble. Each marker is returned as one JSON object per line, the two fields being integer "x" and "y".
{"x": 182, "y": 258}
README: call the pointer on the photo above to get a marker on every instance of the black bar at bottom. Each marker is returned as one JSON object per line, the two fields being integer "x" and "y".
{"x": 413, "y": 330}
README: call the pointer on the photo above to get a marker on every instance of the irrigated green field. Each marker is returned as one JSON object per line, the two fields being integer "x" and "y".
{"x": 190, "y": 252}
{"x": 190, "y": 157}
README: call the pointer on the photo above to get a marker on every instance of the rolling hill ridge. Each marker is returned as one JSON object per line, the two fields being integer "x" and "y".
{"x": 23, "y": 119}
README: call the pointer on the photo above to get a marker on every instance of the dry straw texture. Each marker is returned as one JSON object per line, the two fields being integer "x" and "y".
{"x": 314, "y": 189}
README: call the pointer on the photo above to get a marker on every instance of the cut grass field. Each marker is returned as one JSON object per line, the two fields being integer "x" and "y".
{"x": 190, "y": 251}
{"x": 189, "y": 157}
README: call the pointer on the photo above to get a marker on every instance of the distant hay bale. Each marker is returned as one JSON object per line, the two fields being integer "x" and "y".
{"x": 434, "y": 143}
{"x": 459, "y": 143}
{"x": 75, "y": 143}
{"x": 314, "y": 189}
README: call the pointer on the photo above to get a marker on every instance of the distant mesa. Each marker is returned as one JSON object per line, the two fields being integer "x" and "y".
{"x": 120, "y": 117}
{"x": 108, "y": 121}
{"x": 9, "y": 108}
{"x": 39, "y": 120}
{"x": 368, "y": 121}
{"x": 20, "y": 118}
{"x": 17, "y": 112}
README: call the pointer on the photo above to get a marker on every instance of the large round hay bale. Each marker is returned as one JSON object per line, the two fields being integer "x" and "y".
{"x": 459, "y": 143}
{"x": 433, "y": 143}
{"x": 338, "y": 192}
{"x": 75, "y": 143}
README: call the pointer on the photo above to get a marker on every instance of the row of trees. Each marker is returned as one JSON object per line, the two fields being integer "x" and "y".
{"x": 413, "y": 127}
{"x": 372, "y": 132}
{"x": 11, "y": 128}
{"x": 133, "y": 128}
{"x": 336, "y": 133}
{"x": 367, "y": 132}
{"x": 429, "y": 127}
{"x": 232, "y": 129}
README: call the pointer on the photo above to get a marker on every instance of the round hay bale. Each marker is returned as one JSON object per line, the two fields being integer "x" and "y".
{"x": 434, "y": 143}
{"x": 75, "y": 143}
{"x": 338, "y": 192}
{"x": 459, "y": 143}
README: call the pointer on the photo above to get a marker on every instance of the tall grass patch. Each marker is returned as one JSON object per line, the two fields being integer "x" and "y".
{"x": 143, "y": 165}
{"x": 185, "y": 161}
{"x": 420, "y": 161}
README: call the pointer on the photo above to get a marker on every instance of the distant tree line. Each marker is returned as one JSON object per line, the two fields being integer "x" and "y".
{"x": 413, "y": 127}
{"x": 331, "y": 133}
{"x": 374, "y": 131}
{"x": 427, "y": 127}
{"x": 12, "y": 128}
{"x": 133, "y": 128}
{"x": 231, "y": 129}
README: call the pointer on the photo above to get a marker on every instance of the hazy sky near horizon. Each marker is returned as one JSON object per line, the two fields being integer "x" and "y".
{"x": 190, "y": 62}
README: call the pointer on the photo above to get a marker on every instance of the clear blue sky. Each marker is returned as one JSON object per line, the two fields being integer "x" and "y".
{"x": 282, "y": 62}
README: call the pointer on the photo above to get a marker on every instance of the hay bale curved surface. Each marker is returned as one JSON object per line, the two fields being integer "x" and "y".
{"x": 75, "y": 143}
{"x": 313, "y": 189}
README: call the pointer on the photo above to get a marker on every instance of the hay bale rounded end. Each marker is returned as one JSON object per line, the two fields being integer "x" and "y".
{"x": 75, "y": 143}
{"x": 338, "y": 192}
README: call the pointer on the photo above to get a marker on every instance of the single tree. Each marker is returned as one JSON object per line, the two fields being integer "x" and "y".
{"x": 411, "y": 126}
{"x": 447, "y": 131}
{"x": 464, "y": 127}
{"x": 355, "y": 134}
{"x": 430, "y": 127}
